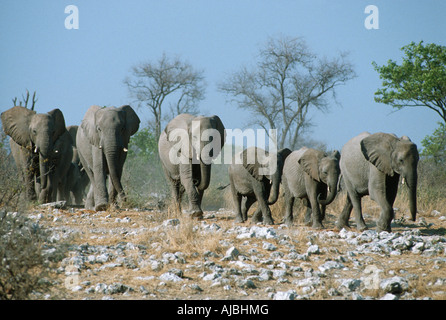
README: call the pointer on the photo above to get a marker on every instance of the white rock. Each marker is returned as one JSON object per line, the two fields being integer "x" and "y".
{"x": 329, "y": 265}
{"x": 269, "y": 246}
{"x": 394, "y": 285}
{"x": 170, "y": 277}
{"x": 285, "y": 295}
{"x": 313, "y": 249}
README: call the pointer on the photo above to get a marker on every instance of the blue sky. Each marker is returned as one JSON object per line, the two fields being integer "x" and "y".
{"x": 74, "y": 69}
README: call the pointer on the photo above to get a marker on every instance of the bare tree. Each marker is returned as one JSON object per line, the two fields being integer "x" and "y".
{"x": 286, "y": 82}
{"x": 170, "y": 82}
{"x": 25, "y": 101}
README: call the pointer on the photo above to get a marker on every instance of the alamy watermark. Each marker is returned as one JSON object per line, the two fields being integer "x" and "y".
{"x": 72, "y": 20}
{"x": 372, "y": 279}
{"x": 205, "y": 146}
{"x": 372, "y": 20}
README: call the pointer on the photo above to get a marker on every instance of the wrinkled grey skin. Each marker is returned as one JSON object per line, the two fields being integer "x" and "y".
{"x": 249, "y": 186}
{"x": 193, "y": 175}
{"x": 76, "y": 180}
{"x": 40, "y": 148}
{"x": 102, "y": 142}
{"x": 371, "y": 164}
{"x": 310, "y": 175}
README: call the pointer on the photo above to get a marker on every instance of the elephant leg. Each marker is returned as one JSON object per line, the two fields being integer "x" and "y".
{"x": 100, "y": 180}
{"x": 112, "y": 194}
{"x": 237, "y": 201}
{"x": 323, "y": 210}
{"x": 262, "y": 198}
{"x": 89, "y": 201}
{"x": 356, "y": 202}
{"x": 389, "y": 213}
{"x": 345, "y": 214}
{"x": 257, "y": 216}
{"x": 307, "y": 217}
{"x": 247, "y": 202}
{"x": 289, "y": 203}
{"x": 311, "y": 188}
{"x": 386, "y": 199}
{"x": 77, "y": 193}
{"x": 47, "y": 194}
{"x": 192, "y": 192}
{"x": 176, "y": 192}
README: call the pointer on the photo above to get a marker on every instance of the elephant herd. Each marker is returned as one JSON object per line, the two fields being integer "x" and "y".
{"x": 59, "y": 162}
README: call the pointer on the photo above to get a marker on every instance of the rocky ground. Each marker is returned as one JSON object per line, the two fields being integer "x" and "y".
{"x": 133, "y": 254}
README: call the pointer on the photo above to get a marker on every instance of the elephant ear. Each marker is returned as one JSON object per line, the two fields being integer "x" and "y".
{"x": 179, "y": 129}
{"x": 284, "y": 153}
{"x": 132, "y": 120}
{"x": 218, "y": 124}
{"x": 250, "y": 158}
{"x": 16, "y": 123}
{"x": 377, "y": 149}
{"x": 336, "y": 154}
{"x": 310, "y": 163}
{"x": 59, "y": 123}
{"x": 88, "y": 125}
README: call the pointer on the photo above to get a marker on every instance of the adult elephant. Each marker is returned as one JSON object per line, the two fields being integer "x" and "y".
{"x": 372, "y": 164}
{"x": 33, "y": 139}
{"x": 186, "y": 148}
{"x": 102, "y": 143}
{"x": 253, "y": 174}
{"x": 310, "y": 175}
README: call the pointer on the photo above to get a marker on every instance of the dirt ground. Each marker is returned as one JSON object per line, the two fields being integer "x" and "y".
{"x": 146, "y": 236}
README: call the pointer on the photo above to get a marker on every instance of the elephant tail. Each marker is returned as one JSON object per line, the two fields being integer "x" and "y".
{"x": 223, "y": 187}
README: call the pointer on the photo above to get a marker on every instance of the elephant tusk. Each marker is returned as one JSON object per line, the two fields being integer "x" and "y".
{"x": 403, "y": 181}
{"x": 36, "y": 150}
{"x": 125, "y": 149}
{"x": 100, "y": 147}
{"x": 328, "y": 189}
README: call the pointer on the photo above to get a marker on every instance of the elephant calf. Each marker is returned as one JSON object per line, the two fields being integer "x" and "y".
{"x": 310, "y": 174}
{"x": 252, "y": 180}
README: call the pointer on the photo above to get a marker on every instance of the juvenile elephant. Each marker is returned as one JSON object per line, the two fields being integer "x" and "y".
{"x": 76, "y": 180}
{"x": 186, "y": 148}
{"x": 250, "y": 182}
{"x": 60, "y": 161}
{"x": 33, "y": 140}
{"x": 313, "y": 176}
{"x": 102, "y": 143}
{"x": 372, "y": 164}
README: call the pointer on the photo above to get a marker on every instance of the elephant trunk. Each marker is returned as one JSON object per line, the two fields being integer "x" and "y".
{"x": 412, "y": 185}
{"x": 43, "y": 149}
{"x": 112, "y": 156}
{"x": 205, "y": 176}
{"x": 43, "y": 168}
{"x": 275, "y": 186}
{"x": 332, "y": 190}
